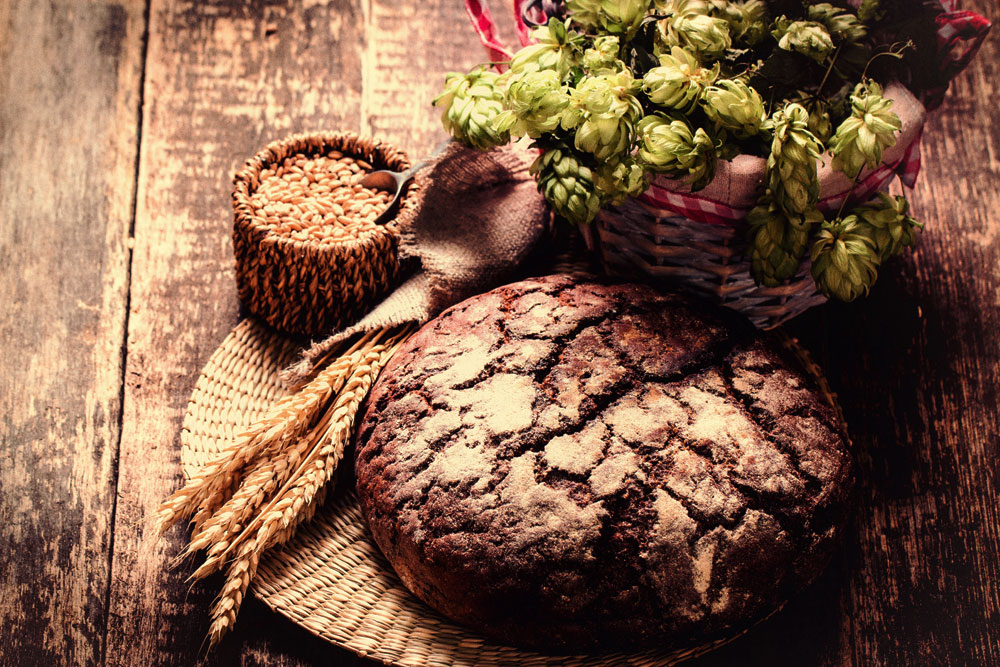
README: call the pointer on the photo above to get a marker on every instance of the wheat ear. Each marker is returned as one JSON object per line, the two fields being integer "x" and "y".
{"x": 208, "y": 490}
{"x": 272, "y": 479}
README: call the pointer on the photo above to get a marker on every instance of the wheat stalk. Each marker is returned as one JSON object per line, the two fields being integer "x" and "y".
{"x": 243, "y": 570}
{"x": 213, "y": 485}
{"x": 317, "y": 467}
{"x": 273, "y": 477}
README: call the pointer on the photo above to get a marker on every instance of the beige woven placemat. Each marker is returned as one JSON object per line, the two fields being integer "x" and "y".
{"x": 331, "y": 578}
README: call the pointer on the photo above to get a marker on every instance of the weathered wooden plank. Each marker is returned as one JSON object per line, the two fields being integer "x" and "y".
{"x": 69, "y": 91}
{"x": 222, "y": 79}
{"x": 411, "y": 47}
{"x": 917, "y": 584}
{"x": 917, "y": 367}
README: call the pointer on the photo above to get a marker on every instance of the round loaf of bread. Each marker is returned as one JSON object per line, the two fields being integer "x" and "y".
{"x": 577, "y": 465}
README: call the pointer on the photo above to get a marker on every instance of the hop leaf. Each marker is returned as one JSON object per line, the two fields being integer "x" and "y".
{"x": 678, "y": 81}
{"x": 778, "y": 241}
{"x": 567, "y": 184}
{"x": 863, "y": 136}
{"x": 809, "y": 38}
{"x": 604, "y": 110}
{"x": 735, "y": 106}
{"x": 844, "y": 259}
{"x": 471, "y": 104}
{"x": 888, "y": 224}
{"x": 791, "y": 164}
{"x": 671, "y": 145}
{"x": 535, "y": 102}
{"x": 557, "y": 48}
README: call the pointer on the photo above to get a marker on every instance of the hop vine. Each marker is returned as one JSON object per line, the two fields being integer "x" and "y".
{"x": 616, "y": 92}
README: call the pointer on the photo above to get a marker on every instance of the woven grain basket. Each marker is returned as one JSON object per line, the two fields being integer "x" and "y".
{"x": 331, "y": 578}
{"x": 312, "y": 287}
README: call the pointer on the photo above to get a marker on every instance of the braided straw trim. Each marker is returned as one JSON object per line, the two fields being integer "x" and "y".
{"x": 312, "y": 287}
{"x": 330, "y": 576}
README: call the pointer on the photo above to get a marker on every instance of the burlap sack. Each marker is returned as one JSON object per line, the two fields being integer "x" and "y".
{"x": 478, "y": 217}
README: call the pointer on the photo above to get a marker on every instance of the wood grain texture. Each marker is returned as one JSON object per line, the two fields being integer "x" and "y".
{"x": 411, "y": 48}
{"x": 222, "y": 80}
{"x": 917, "y": 366}
{"x": 69, "y": 84}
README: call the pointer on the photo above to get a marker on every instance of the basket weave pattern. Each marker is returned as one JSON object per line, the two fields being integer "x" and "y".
{"x": 637, "y": 240}
{"x": 311, "y": 287}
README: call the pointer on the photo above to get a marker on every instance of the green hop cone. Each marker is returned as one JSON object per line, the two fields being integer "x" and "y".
{"x": 603, "y": 57}
{"x": 616, "y": 17}
{"x": 706, "y": 35}
{"x": 889, "y": 225}
{"x": 471, "y": 104}
{"x": 752, "y": 25}
{"x": 840, "y": 23}
{"x": 778, "y": 242}
{"x": 847, "y": 31}
{"x": 557, "y": 48}
{"x": 844, "y": 259}
{"x": 617, "y": 180}
{"x": 623, "y": 17}
{"x": 603, "y": 111}
{"x": 735, "y": 106}
{"x": 585, "y": 13}
{"x": 791, "y": 164}
{"x": 567, "y": 184}
{"x": 677, "y": 83}
{"x": 863, "y": 136}
{"x": 671, "y": 145}
{"x": 809, "y": 38}
{"x": 870, "y": 11}
{"x": 535, "y": 102}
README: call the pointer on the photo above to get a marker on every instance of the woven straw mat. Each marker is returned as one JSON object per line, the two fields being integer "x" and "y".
{"x": 331, "y": 578}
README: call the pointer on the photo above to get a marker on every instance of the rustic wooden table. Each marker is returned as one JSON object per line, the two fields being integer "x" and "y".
{"x": 121, "y": 124}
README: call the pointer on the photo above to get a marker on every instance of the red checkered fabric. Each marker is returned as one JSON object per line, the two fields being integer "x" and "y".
{"x": 909, "y": 166}
{"x": 486, "y": 28}
{"x": 690, "y": 206}
{"x": 523, "y": 31}
{"x": 959, "y": 36}
{"x": 665, "y": 202}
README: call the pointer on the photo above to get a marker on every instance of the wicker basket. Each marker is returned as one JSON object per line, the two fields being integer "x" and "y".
{"x": 311, "y": 287}
{"x": 634, "y": 240}
{"x": 697, "y": 241}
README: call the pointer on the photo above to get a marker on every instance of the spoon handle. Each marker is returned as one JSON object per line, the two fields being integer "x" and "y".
{"x": 412, "y": 171}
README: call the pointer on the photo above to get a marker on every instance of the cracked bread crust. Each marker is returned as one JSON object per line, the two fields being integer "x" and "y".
{"x": 578, "y": 465}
